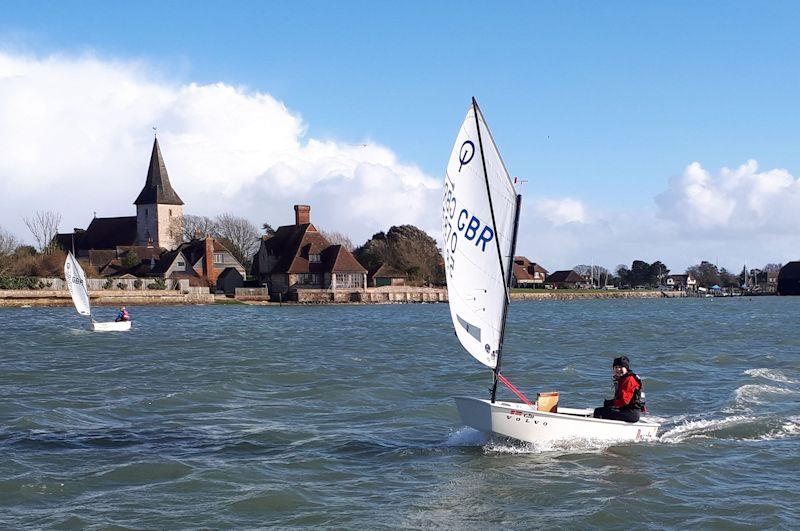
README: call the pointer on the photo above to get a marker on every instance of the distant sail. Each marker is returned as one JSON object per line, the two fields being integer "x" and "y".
{"x": 478, "y": 247}
{"x": 76, "y": 282}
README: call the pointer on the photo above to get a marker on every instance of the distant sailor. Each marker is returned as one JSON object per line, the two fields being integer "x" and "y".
{"x": 122, "y": 315}
{"x": 628, "y": 401}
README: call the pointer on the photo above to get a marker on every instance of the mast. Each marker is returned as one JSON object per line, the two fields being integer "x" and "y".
{"x": 505, "y": 274}
{"x": 508, "y": 298}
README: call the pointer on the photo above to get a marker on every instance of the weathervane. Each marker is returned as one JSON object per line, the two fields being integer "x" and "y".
{"x": 155, "y": 131}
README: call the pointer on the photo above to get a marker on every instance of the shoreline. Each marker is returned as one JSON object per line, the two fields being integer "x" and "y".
{"x": 394, "y": 295}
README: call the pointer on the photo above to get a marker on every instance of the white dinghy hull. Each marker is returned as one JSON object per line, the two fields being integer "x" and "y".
{"x": 111, "y": 326}
{"x": 525, "y": 423}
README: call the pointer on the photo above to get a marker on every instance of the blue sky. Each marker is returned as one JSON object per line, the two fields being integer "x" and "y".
{"x": 601, "y": 103}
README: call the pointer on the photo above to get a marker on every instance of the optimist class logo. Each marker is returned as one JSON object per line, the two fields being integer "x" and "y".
{"x": 466, "y": 153}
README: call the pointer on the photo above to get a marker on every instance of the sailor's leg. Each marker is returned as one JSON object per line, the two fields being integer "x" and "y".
{"x": 601, "y": 412}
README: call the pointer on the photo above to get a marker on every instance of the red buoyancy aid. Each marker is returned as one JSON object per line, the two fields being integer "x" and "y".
{"x": 629, "y": 393}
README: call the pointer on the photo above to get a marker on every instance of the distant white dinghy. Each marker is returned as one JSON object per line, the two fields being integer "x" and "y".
{"x": 480, "y": 216}
{"x": 76, "y": 283}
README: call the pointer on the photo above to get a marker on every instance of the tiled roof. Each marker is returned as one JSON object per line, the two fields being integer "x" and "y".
{"x": 142, "y": 251}
{"x": 196, "y": 249}
{"x": 386, "y": 271}
{"x": 164, "y": 262}
{"x": 521, "y": 272}
{"x": 524, "y": 269}
{"x": 565, "y": 276}
{"x": 102, "y": 233}
{"x": 292, "y": 245}
{"x": 157, "y": 188}
{"x": 101, "y": 257}
{"x": 343, "y": 261}
{"x": 194, "y": 280}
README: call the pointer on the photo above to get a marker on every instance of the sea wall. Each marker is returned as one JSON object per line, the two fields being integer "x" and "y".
{"x": 381, "y": 295}
{"x": 19, "y": 297}
{"x": 567, "y": 295}
{"x": 114, "y": 284}
{"x": 402, "y": 294}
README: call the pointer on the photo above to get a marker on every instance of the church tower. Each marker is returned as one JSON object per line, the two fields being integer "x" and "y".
{"x": 159, "y": 210}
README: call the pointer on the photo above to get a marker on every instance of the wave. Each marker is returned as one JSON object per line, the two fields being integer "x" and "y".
{"x": 758, "y": 394}
{"x": 466, "y": 436}
{"x": 502, "y": 445}
{"x": 703, "y": 428}
{"x": 789, "y": 429}
{"x": 770, "y": 374}
{"x": 734, "y": 428}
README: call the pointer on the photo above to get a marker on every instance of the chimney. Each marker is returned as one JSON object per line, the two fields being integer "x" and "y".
{"x": 302, "y": 214}
{"x": 208, "y": 258}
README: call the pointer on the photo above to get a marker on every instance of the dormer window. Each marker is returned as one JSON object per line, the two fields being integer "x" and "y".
{"x": 313, "y": 258}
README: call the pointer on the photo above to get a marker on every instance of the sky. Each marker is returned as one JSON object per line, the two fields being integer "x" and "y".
{"x": 653, "y": 131}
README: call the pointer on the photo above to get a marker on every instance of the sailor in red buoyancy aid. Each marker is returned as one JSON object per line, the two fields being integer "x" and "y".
{"x": 628, "y": 401}
{"x": 123, "y": 315}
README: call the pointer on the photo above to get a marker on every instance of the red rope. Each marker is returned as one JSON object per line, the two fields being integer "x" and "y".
{"x": 514, "y": 389}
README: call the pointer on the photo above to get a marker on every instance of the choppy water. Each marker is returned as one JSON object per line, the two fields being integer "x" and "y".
{"x": 234, "y": 416}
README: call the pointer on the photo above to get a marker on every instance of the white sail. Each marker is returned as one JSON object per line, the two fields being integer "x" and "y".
{"x": 478, "y": 219}
{"x": 76, "y": 283}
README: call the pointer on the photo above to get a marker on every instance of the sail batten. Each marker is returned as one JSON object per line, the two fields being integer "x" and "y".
{"x": 478, "y": 219}
{"x": 76, "y": 283}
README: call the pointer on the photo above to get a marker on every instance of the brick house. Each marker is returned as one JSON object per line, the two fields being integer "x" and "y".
{"x": 567, "y": 279}
{"x": 527, "y": 274}
{"x": 202, "y": 261}
{"x": 299, "y": 257}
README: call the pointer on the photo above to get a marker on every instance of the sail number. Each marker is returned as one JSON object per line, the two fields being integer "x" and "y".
{"x": 449, "y": 206}
{"x": 455, "y": 221}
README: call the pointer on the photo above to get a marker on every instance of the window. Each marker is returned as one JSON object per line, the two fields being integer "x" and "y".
{"x": 349, "y": 280}
{"x": 218, "y": 258}
{"x": 180, "y": 265}
{"x": 308, "y": 279}
{"x": 170, "y": 212}
{"x": 313, "y": 258}
{"x": 145, "y": 213}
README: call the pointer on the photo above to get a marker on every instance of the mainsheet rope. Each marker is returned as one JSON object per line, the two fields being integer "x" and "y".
{"x": 514, "y": 389}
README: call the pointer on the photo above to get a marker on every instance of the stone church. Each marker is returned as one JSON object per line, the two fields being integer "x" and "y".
{"x": 156, "y": 225}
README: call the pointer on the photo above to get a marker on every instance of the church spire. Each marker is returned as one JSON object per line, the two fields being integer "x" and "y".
{"x": 157, "y": 189}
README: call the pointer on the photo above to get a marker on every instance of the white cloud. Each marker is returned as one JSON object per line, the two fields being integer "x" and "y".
{"x": 733, "y": 217}
{"x": 561, "y": 211}
{"x": 734, "y": 202}
{"x": 76, "y": 139}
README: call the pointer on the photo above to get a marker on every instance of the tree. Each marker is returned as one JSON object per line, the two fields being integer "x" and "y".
{"x": 194, "y": 227}
{"x": 658, "y": 273}
{"x": 598, "y": 274}
{"x": 640, "y": 274}
{"x": 240, "y": 234}
{"x": 44, "y": 227}
{"x": 623, "y": 276}
{"x": 405, "y": 248}
{"x": 130, "y": 260}
{"x": 8, "y": 244}
{"x": 337, "y": 238}
{"x": 705, "y": 273}
{"x": 728, "y": 279}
